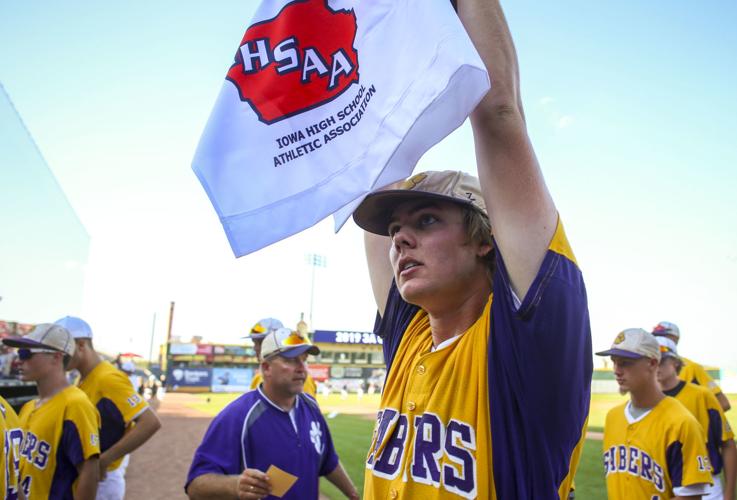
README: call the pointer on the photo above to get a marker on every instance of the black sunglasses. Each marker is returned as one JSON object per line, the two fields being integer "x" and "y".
{"x": 26, "y": 354}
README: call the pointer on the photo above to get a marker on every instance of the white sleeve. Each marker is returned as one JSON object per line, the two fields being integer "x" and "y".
{"x": 692, "y": 490}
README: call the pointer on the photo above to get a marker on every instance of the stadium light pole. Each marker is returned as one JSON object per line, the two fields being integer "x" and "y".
{"x": 314, "y": 260}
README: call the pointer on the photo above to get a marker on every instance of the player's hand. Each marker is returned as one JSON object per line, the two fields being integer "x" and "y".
{"x": 253, "y": 484}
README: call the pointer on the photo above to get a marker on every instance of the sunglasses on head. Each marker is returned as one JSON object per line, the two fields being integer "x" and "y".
{"x": 26, "y": 354}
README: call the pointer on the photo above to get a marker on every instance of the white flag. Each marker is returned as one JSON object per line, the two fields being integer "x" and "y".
{"x": 326, "y": 100}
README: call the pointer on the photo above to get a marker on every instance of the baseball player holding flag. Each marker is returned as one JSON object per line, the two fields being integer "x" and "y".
{"x": 483, "y": 312}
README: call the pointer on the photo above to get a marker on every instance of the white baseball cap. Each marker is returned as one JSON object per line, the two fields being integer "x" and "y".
{"x": 45, "y": 336}
{"x": 634, "y": 343}
{"x": 263, "y": 328}
{"x": 76, "y": 326}
{"x": 666, "y": 328}
{"x": 285, "y": 342}
{"x": 667, "y": 347}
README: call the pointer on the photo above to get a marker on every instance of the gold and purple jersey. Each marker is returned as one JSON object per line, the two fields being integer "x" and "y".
{"x": 696, "y": 374}
{"x": 60, "y": 434}
{"x": 496, "y": 412}
{"x": 310, "y": 386}
{"x": 117, "y": 401}
{"x": 703, "y": 405}
{"x": 654, "y": 455}
{"x": 10, "y": 459}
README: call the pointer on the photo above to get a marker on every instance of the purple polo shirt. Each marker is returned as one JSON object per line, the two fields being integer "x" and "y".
{"x": 254, "y": 433}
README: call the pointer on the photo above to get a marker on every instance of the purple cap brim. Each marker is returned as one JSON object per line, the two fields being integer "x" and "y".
{"x": 23, "y": 342}
{"x": 621, "y": 353}
{"x": 293, "y": 352}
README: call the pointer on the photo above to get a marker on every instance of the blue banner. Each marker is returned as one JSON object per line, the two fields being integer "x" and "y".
{"x": 189, "y": 377}
{"x": 231, "y": 379}
{"x": 346, "y": 337}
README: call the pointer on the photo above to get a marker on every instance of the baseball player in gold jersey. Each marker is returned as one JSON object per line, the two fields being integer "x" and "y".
{"x": 653, "y": 447}
{"x": 476, "y": 326}
{"x": 703, "y": 405}
{"x": 691, "y": 371}
{"x": 61, "y": 444}
{"x": 259, "y": 331}
{"x": 127, "y": 420}
{"x": 10, "y": 458}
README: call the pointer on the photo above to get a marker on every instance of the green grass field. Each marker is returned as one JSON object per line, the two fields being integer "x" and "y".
{"x": 352, "y": 426}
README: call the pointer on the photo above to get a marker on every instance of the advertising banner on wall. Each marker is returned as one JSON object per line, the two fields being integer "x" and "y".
{"x": 205, "y": 349}
{"x": 320, "y": 373}
{"x": 231, "y": 379}
{"x": 347, "y": 337}
{"x": 186, "y": 349}
{"x": 189, "y": 377}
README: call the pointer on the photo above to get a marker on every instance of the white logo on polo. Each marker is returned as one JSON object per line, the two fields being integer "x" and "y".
{"x": 316, "y": 437}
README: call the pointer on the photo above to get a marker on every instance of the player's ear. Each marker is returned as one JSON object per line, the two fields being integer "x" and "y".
{"x": 483, "y": 250}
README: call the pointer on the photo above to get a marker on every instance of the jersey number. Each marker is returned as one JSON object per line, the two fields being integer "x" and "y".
{"x": 26, "y": 485}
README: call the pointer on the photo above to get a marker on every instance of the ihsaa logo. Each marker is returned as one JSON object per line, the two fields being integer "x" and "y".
{"x": 299, "y": 60}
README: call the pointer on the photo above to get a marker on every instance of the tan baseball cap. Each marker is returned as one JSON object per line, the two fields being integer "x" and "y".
{"x": 45, "y": 336}
{"x": 634, "y": 343}
{"x": 285, "y": 342}
{"x": 374, "y": 213}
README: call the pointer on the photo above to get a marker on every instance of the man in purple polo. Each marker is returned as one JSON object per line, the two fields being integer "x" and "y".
{"x": 276, "y": 424}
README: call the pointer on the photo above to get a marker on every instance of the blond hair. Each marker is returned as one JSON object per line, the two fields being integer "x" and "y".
{"x": 478, "y": 230}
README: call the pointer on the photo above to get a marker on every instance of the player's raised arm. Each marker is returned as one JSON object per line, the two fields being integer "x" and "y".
{"x": 379, "y": 267}
{"x": 522, "y": 213}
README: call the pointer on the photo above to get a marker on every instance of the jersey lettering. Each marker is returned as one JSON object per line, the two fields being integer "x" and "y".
{"x": 433, "y": 441}
{"x": 11, "y": 448}
{"x": 647, "y": 466}
{"x": 658, "y": 476}
{"x": 42, "y": 455}
{"x": 388, "y": 462}
{"x": 28, "y": 445}
{"x": 428, "y": 449}
{"x": 36, "y": 451}
{"x": 459, "y": 439}
{"x": 383, "y": 420}
{"x": 635, "y": 462}
{"x": 622, "y": 464}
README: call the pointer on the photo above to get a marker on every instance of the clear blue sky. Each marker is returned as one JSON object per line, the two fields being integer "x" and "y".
{"x": 631, "y": 106}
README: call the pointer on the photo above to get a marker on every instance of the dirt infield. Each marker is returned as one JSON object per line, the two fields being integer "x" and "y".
{"x": 158, "y": 469}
